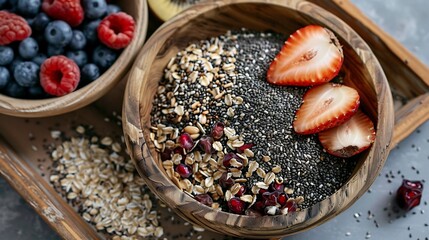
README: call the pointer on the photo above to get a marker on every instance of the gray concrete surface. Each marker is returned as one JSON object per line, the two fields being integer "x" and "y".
{"x": 374, "y": 216}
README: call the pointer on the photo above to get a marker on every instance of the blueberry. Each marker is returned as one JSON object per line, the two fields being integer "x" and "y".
{"x": 39, "y": 58}
{"x": 89, "y": 72}
{"x": 53, "y": 50}
{"x": 29, "y": 21}
{"x": 13, "y": 89}
{"x": 28, "y": 48}
{"x": 4, "y": 77}
{"x": 58, "y": 33}
{"x": 78, "y": 41}
{"x": 112, "y": 8}
{"x": 15, "y": 63}
{"x": 6, "y": 55}
{"x": 36, "y": 91}
{"x": 28, "y": 7}
{"x": 104, "y": 57}
{"x": 78, "y": 56}
{"x": 40, "y": 22}
{"x": 90, "y": 31}
{"x": 94, "y": 8}
{"x": 2, "y": 3}
{"x": 26, "y": 74}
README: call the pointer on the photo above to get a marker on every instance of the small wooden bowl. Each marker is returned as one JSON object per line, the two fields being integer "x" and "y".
{"x": 362, "y": 71}
{"x": 91, "y": 92}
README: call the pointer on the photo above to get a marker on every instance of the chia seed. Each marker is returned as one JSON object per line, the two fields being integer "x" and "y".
{"x": 265, "y": 118}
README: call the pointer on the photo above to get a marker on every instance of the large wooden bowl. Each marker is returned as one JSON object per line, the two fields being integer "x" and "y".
{"x": 363, "y": 72}
{"x": 93, "y": 91}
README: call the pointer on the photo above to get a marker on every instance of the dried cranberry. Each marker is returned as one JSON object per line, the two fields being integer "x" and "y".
{"x": 186, "y": 141}
{"x": 183, "y": 170}
{"x": 206, "y": 143}
{"x": 217, "y": 130}
{"x": 259, "y": 206}
{"x": 244, "y": 147}
{"x": 275, "y": 186}
{"x": 262, "y": 191}
{"x": 291, "y": 206}
{"x": 282, "y": 199}
{"x": 236, "y": 205}
{"x": 204, "y": 199}
{"x": 228, "y": 163}
{"x": 181, "y": 151}
{"x": 409, "y": 194}
{"x": 225, "y": 181}
{"x": 166, "y": 154}
{"x": 270, "y": 198}
{"x": 241, "y": 191}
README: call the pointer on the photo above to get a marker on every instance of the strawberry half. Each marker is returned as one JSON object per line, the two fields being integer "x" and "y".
{"x": 311, "y": 56}
{"x": 325, "y": 106}
{"x": 350, "y": 138}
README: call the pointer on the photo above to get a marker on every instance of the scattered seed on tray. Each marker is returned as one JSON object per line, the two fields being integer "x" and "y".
{"x": 94, "y": 177}
{"x": 222, "y": 79}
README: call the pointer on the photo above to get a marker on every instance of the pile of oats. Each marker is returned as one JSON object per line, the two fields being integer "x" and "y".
{"x": 104, "y": 186}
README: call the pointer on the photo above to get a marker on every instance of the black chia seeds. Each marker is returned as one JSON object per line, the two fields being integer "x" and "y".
{"x": 264, "y": 117}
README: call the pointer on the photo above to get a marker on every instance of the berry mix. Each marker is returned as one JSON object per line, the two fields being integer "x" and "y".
{"x": 52, "y": 47}
{"x": 247, "y": 125}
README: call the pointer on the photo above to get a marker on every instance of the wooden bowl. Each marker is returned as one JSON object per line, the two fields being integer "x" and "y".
{"x": 91, "y": 92}
{"x": 209, "y": 19}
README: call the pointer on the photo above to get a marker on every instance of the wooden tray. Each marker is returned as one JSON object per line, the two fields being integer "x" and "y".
{"x": 25, "y": 164}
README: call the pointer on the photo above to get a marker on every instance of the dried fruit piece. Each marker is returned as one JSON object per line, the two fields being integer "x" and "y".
{"x": 226, "y": 181}
{"x": 324, "y": 107}
{"x": 232, "y": 160}
{"x": 183, "y": 170}
{"x": 116, "y": 30}
{"x": 311, "y": 56}
{"x": 186, "y": 141}
{"x": 350, "y": 138}
{"x": 217, "y": 130}
{"x": 204, "y": 199}
{"x": 13, "y": 28}
{"x": 291, "y": 206}
{"x": 241, "y": 191}
{"x": 69, "y": 11}
{"x": 276, "y": 186}
{"x": 59, "y": 75}
{"x": 236, "y": 205}
{"x": 244, "y": 147}
{"x": 409, "y": 194}
{"x": 166, "y": 154}
{"x": 206, "y": 144}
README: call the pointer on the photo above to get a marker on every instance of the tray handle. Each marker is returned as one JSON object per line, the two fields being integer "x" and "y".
{"x": 409, "y": 117}
{"x": 35, "y": 190}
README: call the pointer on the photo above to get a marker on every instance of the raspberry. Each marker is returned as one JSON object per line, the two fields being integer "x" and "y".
{"x": 13, "y": 28}
{"x": 69, "y": 11}
{"x": 116, "y": 30}
{"x": 59, "y": 75}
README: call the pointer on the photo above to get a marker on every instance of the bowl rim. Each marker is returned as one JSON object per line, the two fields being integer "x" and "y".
{"x": 282, "y": 225}
{"x": 89, "y": 93}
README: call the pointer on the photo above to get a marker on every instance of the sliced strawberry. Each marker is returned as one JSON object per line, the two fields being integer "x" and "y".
{"x": 349, "y": 138}
{"x": 311, "y": 56}
{"x": 325, "y": 106}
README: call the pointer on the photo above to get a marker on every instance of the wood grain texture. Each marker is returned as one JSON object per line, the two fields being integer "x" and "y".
{"x": 20, "y": 164}
{"x": 42, "y": 197}
{"x": 362, "y": 70}
{"x": 93, "y": 91}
